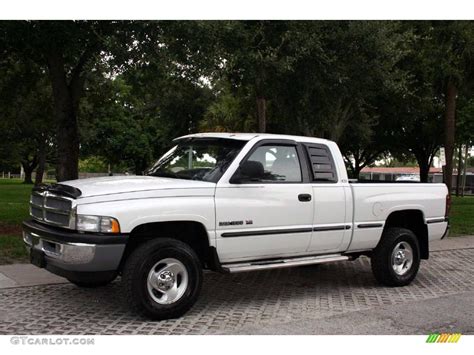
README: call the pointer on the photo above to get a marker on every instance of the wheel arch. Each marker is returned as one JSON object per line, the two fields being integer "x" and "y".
{"x": 414, "y": 220}
{"x": 190, "y": 232}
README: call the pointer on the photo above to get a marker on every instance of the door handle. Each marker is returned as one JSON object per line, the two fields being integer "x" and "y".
{"x": 304, "y": 197}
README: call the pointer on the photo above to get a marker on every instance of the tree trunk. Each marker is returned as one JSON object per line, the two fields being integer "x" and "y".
{"x": 458, "y": 175}
{"x": 68, "y": 144}
{"x": 451, "y": 93}
{"x": 28, "y": 174}
{"x": 41, "y": 164}
{"x": 357, "y": 170}
{"x": 262, "y": 114}
{"x": 28, "y": 168}
{"x": 424, "y": 170}
{"x": 357, "y": 167}
{"x": 66, "y": 100}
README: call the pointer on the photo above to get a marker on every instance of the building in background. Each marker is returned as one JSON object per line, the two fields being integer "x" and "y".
{"x": 406, "y": 174}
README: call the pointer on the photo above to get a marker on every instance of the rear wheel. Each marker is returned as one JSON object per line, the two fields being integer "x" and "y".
{"x": 162, "y": 278}
{"x": 396, "y": 259}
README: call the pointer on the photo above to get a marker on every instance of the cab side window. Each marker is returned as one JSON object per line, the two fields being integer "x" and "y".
{"x": 276, "y": 163}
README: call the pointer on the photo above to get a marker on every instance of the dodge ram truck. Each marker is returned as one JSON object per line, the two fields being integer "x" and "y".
{"x": 229, "y": 203}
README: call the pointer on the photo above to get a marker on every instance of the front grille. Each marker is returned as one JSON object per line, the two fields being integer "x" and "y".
{"x": 58, "y": 204}
{"x": 51, "y": 209}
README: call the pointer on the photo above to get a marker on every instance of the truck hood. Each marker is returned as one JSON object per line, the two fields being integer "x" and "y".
{"x": 128, "y": 184}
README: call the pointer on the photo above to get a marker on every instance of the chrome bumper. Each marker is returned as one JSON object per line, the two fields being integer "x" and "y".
{"x": 57, "y": 249}
{"x": 68, "y": 253}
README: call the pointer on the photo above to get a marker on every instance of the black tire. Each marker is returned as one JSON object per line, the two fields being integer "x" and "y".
{"x": 142, "y": 261}
{"x": 381, "y": 259}
{"x": 91, "y": 284}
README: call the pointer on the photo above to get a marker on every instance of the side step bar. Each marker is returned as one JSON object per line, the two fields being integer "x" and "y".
{"x": 281, "y": 263}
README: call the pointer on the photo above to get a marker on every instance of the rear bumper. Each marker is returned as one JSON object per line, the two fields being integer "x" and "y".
{"x": 78, "y": 256}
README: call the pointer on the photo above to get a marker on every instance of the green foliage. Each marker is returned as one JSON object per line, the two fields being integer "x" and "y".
{"x": 25, "y": 111}
{"x": 93, "y": 164}
{"x": 465, "y": 121}
{"x": 375, "y": 87}
{"x": 230, "y": 112}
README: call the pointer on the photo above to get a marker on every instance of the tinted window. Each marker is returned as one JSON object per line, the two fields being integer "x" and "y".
{"x": 280, "y": 163}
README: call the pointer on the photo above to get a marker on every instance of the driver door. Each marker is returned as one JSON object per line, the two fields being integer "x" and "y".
{"x": 267, "y": 216}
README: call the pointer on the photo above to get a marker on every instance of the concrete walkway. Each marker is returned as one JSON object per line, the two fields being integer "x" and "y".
{"x": 19, "y": 275}
{"x": 462, "y": 242}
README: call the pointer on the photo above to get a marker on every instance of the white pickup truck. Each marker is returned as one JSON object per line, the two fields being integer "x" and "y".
{"x": 229, "y": 203}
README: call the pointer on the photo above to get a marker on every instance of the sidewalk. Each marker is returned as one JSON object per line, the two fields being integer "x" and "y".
{"x": 462, "y": 242}
{"x": 20, "y": 275}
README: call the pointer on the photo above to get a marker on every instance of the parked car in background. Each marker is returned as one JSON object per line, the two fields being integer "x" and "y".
{"x": 414, "y": 178}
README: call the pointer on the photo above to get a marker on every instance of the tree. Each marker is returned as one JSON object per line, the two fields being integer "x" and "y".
{"x": 253, "y": 56}
{"x": 69, "y": 51}
{"x": 454, "y": 43}
{"x": 418, "y": 109}
{"x": 340, "y": 85}
{"x": 464, "y": 136}
{"x": 26, "y": 111}
{"x": 132, "y": 118}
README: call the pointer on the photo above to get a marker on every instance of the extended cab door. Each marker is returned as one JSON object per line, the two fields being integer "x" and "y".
{"x": 332, "y": 221}
{"x": 265, "y": 210}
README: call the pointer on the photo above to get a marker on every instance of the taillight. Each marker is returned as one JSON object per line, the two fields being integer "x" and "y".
{"x": 448, "y": 205}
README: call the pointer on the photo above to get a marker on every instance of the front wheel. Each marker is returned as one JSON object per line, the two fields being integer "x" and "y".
{"x": 162, "y": 278}
{"x": 396, "y": 259}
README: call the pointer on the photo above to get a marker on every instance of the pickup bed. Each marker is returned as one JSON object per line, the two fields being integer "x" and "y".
{"x": 229, "y": 203}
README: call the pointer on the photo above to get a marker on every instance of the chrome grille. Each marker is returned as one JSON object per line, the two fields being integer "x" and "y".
{"x": 58, "y": 204}
{"x": 37, "y": 200}
{"x": 51, "y": 209}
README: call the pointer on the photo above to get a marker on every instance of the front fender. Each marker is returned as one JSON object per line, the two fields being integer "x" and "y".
{"x": 132, "y": 213}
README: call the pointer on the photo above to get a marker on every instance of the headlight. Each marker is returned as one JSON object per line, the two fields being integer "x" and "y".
{"x": 102, "y": 224}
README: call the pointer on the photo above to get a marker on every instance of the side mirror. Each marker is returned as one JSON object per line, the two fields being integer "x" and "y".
{"x": 249, "y": 170}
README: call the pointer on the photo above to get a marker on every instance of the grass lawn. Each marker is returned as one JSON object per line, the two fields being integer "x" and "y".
{"x": 462, "y": 216}
{"x": 14, "y": 198}
{"x": 12, "y": 250}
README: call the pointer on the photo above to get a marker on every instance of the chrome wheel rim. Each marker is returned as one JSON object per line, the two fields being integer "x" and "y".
{"x": 402, "y": 258}
{"x": 167, "y": 281}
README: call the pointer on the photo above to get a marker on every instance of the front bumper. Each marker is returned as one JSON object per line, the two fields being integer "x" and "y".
{"x": 76, "y": 256}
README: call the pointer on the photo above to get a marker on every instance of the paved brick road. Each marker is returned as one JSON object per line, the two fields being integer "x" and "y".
{"x": 230, "y": 302}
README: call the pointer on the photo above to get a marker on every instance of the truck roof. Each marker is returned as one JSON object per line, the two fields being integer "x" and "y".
{"x": 249, "y": 136}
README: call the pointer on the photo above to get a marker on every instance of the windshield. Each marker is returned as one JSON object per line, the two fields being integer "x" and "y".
{"x": 198, "y": 159}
